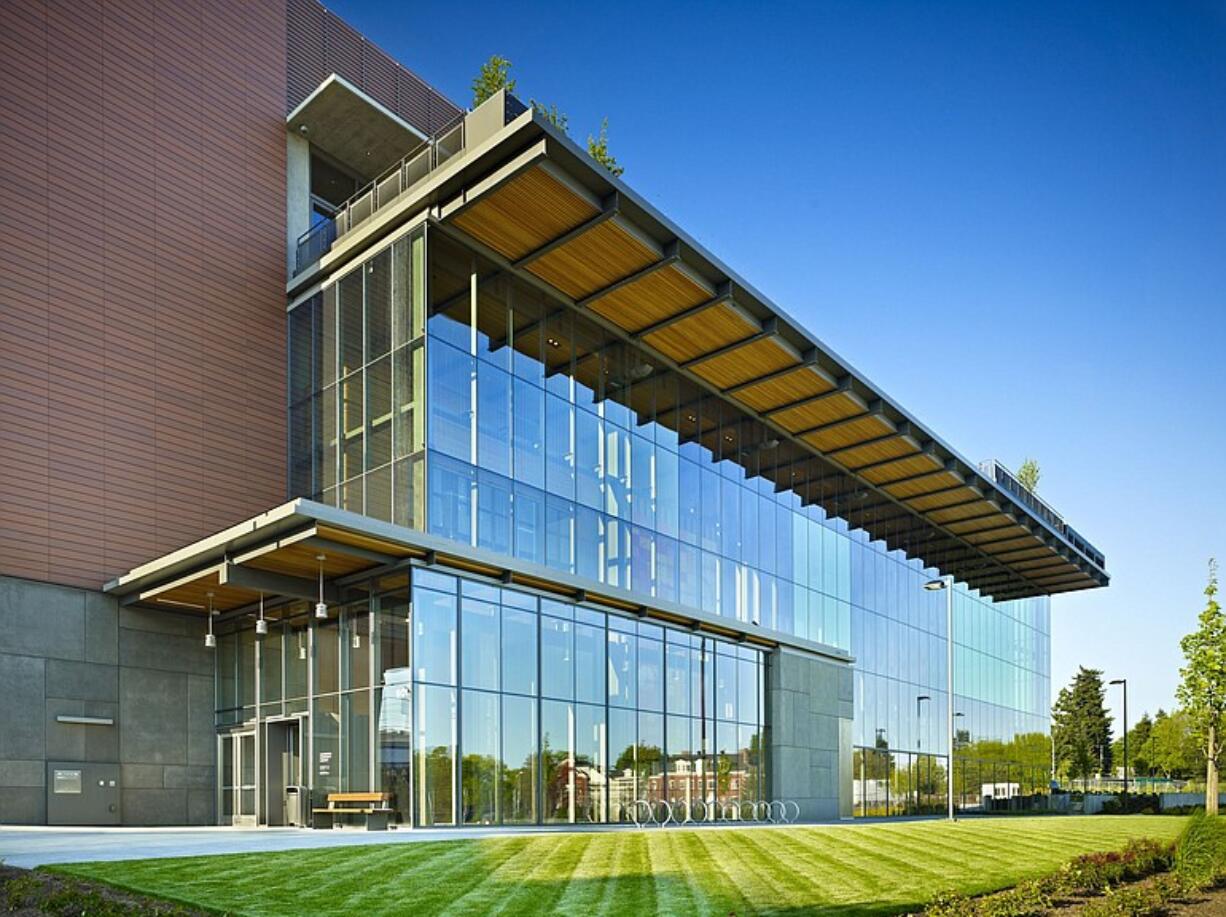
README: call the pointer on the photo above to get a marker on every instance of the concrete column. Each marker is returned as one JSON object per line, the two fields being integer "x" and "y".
{"x": 297, "y": 195}
{"x": 808, "y": 733}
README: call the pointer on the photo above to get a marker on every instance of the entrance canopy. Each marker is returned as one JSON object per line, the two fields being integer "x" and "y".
{"x": 293, "y": 551}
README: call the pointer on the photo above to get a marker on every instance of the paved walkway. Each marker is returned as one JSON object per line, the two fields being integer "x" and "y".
{"x": 30, "y": 846}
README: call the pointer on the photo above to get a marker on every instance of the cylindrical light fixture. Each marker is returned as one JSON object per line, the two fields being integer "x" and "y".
{"x": 261, "y": 626}
{"x": 210, "y": 639}
{"x": 321, "y": 608}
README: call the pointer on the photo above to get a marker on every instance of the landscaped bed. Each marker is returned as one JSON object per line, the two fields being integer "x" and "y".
{"x": 844, "y": 869}
{"x": 25, "y": 893}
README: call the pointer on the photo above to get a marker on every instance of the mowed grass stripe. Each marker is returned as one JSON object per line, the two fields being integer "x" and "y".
{"x": 881, "y": 868}
{"x": 537, "y": 875}
{"x": 591, "y": 881}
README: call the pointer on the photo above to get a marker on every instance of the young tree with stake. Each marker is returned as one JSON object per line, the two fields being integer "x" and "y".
{"x": 1202, "y": 691}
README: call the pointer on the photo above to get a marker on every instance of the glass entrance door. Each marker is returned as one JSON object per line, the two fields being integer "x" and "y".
{"x": 237, "y": 766}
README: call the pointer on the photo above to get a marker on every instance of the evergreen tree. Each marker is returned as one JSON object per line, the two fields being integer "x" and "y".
{"x": 1202, "y": 691}
{"x": 1081, "y": 728}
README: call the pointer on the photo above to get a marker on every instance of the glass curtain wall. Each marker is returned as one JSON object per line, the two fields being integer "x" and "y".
{"x": 356, "y": 355}
{"x": 476, "y": 704}
{"x": 551, "y": 441}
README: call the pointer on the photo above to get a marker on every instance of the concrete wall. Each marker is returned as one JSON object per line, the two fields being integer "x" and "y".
{"x": 808, "y": 728}
{"x": 74, "y": 651}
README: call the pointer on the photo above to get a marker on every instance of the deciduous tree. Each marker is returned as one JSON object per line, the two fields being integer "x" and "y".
{"x": 1202, "y": 690}
{"x": 598, "y": 149}
{"x": 495, "y": 74}
{"x": 1028, "y": 475}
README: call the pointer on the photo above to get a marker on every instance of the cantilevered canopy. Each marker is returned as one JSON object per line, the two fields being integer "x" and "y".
{"x": 535, "y": 204}
{"x": 279, "y": 556}
{"x": 353, "y": 128}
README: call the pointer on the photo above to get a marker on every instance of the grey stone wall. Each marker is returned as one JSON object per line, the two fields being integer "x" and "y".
{"x": 808, "y": 733}
{"x": 73, "y": 651}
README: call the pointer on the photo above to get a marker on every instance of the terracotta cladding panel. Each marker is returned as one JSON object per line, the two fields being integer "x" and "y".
{"x": 319, "y": 43}
{"x": 143, "y": 285}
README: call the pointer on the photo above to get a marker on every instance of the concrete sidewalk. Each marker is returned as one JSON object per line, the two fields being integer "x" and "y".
{"x": 30, "y": 846}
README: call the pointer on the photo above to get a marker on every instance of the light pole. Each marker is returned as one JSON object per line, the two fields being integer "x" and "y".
{"x": 1124, "y": 682}
{"x": 947, "y": 583}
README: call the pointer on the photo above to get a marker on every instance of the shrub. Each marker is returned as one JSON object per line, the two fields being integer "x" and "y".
{"x": 1129, "y": 901}
{"x": 950, "y": 904}
{"x": 1093, "y": 872}
{"x": 1200, "y": 857}
{"x": 1029, "y": 899}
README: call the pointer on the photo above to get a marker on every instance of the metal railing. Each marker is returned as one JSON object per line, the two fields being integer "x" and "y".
{"x": 1009, "y": 482}
{"x": 443, "y": 145}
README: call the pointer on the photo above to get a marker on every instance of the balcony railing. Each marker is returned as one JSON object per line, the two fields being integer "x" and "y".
{"x": 1008, "y": 481}
{"x": 445, "y": 144}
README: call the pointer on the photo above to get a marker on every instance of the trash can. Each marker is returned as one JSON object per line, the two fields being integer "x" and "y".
{"x": 293, "y": 805}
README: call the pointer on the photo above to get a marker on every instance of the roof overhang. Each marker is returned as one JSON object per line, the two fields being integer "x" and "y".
{"x": 280, "y": 554}
{"x": 537, "y": 205}
{"x": 352, "y": 128}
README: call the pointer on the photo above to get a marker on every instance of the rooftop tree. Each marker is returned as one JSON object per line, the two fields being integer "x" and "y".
{"x": 495, "y": 74}
{"x": 598, "y": 149}
{"x": 1202, "y": 690}
{"x": 1028, "y": 475}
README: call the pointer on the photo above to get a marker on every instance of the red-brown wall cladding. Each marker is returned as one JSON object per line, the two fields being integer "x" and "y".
{"x": 321, "y": 43}
{"x": 142, "y": 278}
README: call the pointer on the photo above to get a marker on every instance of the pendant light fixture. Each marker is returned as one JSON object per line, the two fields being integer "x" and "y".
{"x": 302, "y": 653}
{"x": 261, "y": 626}
{"x": 357, "y": 640}
{"x": 321, "y": 608}
{"x": 210, "y": 639}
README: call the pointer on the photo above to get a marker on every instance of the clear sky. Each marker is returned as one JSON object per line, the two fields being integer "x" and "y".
{"x": 1011, "y": 217}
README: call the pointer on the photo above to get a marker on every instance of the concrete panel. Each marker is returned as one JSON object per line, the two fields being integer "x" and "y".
{"x": 201, "y": 734}
{"x": 22, "y": 774}
{"x": 22, "y": 726}
{"x": 804, "y": 718}
{"x": 101, "y": 629}
{"x": 167, "y": 652}
{"x": 176, "y": 776}
{"x": 39, "y": 619}
{"x": 154, "y": 807}
{"x": 153, "y": 717}
{"x": 65, "y": 741}
{"x": 142, "y": 776}
{"x": 23, "y": 805}
{"x": 102, "y": 742}
{"x": 161, "y": 622}
{"x": 82, "y": 680}
{"x": 200, "y": 807}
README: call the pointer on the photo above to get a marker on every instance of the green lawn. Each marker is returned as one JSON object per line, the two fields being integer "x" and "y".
{"x": 876, "y": 869}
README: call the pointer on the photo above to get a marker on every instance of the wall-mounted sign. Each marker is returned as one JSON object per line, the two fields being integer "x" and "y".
{"x": 66, "y": 782}
{"x": 325, "y": 763}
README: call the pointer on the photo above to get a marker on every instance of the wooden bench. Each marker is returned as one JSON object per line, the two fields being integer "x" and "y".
{"x": 372, "y": 805}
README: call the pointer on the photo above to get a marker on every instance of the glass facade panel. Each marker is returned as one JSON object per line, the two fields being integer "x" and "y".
{"x": 433, "y": 389}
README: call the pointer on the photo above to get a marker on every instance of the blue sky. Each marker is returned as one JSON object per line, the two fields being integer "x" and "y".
{"x": 1012, "y": 217}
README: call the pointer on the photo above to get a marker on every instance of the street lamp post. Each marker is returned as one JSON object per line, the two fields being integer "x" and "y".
{"x": 1124, "y": 683}
{"x": 947, "y": 583}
